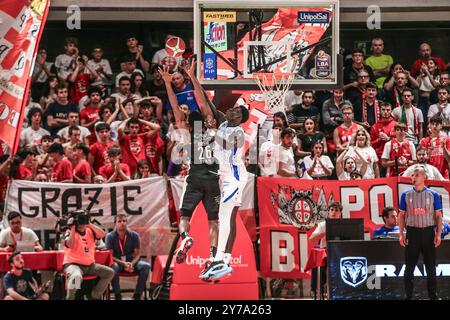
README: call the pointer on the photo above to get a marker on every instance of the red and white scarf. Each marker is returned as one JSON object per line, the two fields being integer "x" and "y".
{"x": 375, "y": 106}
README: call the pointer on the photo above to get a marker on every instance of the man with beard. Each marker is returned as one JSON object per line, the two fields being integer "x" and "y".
{"x": 422, "y": 155}
{"x": 17, "y": 237}
{"x": 438, "y": 145}
{"x": 369, "y": 114}
{"x": 442, "y": 109}
{"x": 285, "y": 157}
{"x": 425, "y": 55}
{"x": 411, "y": 116}
{"x": 19, "y": 283}
{"x": 398, "y": 153}
{"x": 444, "y": 80}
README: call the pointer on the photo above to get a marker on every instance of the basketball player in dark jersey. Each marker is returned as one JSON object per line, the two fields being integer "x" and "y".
{"x": 202, "y": 181}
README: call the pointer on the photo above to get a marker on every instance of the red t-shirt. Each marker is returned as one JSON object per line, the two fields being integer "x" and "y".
{"x": 437, "y": 158}
{"x": 79, "y": 87}
{"x": 387, "y": 127}
{"x": 100, "y": 153}
{"x": 345, "y": 134}
{"x": 154, "y": 148}
{"x": 107, "y": 171}
{"x": 23, "y": 172}
{"x": 133, "y": 149}
{"x": 82, "y": 169}
{"x": 62, "y": 170}
{"x": 89, "y": 114}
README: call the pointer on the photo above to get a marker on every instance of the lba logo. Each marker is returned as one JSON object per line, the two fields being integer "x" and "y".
{"x": 353, "y": 270}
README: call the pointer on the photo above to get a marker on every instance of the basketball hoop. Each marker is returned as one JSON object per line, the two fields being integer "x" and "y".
{"x": 274, "y": 88}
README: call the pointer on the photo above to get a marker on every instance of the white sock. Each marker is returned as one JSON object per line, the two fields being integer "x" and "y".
{"x": 225, "y": 212}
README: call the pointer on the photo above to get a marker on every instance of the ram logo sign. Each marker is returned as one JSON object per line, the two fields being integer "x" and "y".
{"x": 353, "y": 270}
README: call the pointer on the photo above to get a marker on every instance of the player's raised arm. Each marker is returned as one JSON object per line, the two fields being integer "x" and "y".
{"x": 167, "y": 77}
{"x": 189, "y": 69}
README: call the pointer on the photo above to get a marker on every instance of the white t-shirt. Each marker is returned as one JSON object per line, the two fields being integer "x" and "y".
{"x": 291, "y": 98}
{"x": 426, "y": 85}
{"x": 30, "y": 137}
{"x": 344, "y": 176}
{"x": 318, "y": 171}
{"x": 397, "y": 114}
{"x": 64, "y": 66}
{"x": 371, "y": 157}
{"x": 432, "y": 172}
{"x": 387, "y": 154}
{"x": 286, "y": 157}
{"x": 9, "y": 238}
{"x": 3, "y": 224}
{"x": 321, "y": 230}
{"x": 445, "y": 115}
{"x": 64, "y": 133}
{"x": 268, "y": 157}
{"x": 103, "y": 63}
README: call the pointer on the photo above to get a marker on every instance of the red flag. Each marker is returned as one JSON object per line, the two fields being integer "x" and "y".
{"x": 20, "y": 33}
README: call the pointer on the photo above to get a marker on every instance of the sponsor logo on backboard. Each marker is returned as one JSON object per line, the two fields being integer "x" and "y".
{"x": 222, "y": 16}
{"x": 313, "y": 17}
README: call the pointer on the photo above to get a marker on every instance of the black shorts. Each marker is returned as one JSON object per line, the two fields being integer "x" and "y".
{"x": 205, "y": 190}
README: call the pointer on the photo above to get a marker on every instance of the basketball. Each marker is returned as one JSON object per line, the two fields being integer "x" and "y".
{"x": 175, "y": 47}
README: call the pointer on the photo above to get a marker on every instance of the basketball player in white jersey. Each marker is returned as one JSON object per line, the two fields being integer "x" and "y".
{"x": 229, "y": 150}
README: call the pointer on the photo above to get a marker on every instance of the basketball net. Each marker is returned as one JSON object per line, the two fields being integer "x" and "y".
{"x": 274, "y": 87}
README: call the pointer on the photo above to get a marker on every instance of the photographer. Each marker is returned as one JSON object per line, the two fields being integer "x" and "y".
{"x": 19, "y": 283}
{"x": 79, "y": 256}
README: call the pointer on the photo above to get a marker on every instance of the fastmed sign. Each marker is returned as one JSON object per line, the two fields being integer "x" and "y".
{"x": 313, "y": 17}
{"x": 219, "y": 16}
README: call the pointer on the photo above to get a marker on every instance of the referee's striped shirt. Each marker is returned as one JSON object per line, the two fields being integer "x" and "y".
{"x": 420, "y": 207}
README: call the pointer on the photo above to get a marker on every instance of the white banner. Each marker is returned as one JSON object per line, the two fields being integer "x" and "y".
{"x": 144, "y": 201}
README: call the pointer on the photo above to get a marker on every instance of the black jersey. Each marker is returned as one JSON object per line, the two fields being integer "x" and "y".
{"x": 203, "y": 163}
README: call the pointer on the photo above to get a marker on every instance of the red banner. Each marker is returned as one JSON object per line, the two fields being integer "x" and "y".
{"x": 22, "y": 22}
{"x": 289, "y": 210}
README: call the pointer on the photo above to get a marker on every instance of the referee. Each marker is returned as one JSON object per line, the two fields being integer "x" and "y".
{"x": 421, "y": 214}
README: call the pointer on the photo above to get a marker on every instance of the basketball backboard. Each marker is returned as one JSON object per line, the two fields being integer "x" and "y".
{"x": 235, "y": 39}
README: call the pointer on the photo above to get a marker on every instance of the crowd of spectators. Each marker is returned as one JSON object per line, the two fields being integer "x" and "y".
{"x": 373, "y": 127}
{"x": 84, "y": 124}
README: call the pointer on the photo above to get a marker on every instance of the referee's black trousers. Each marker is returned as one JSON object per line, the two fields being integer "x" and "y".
{"x": 420, "y": 240}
